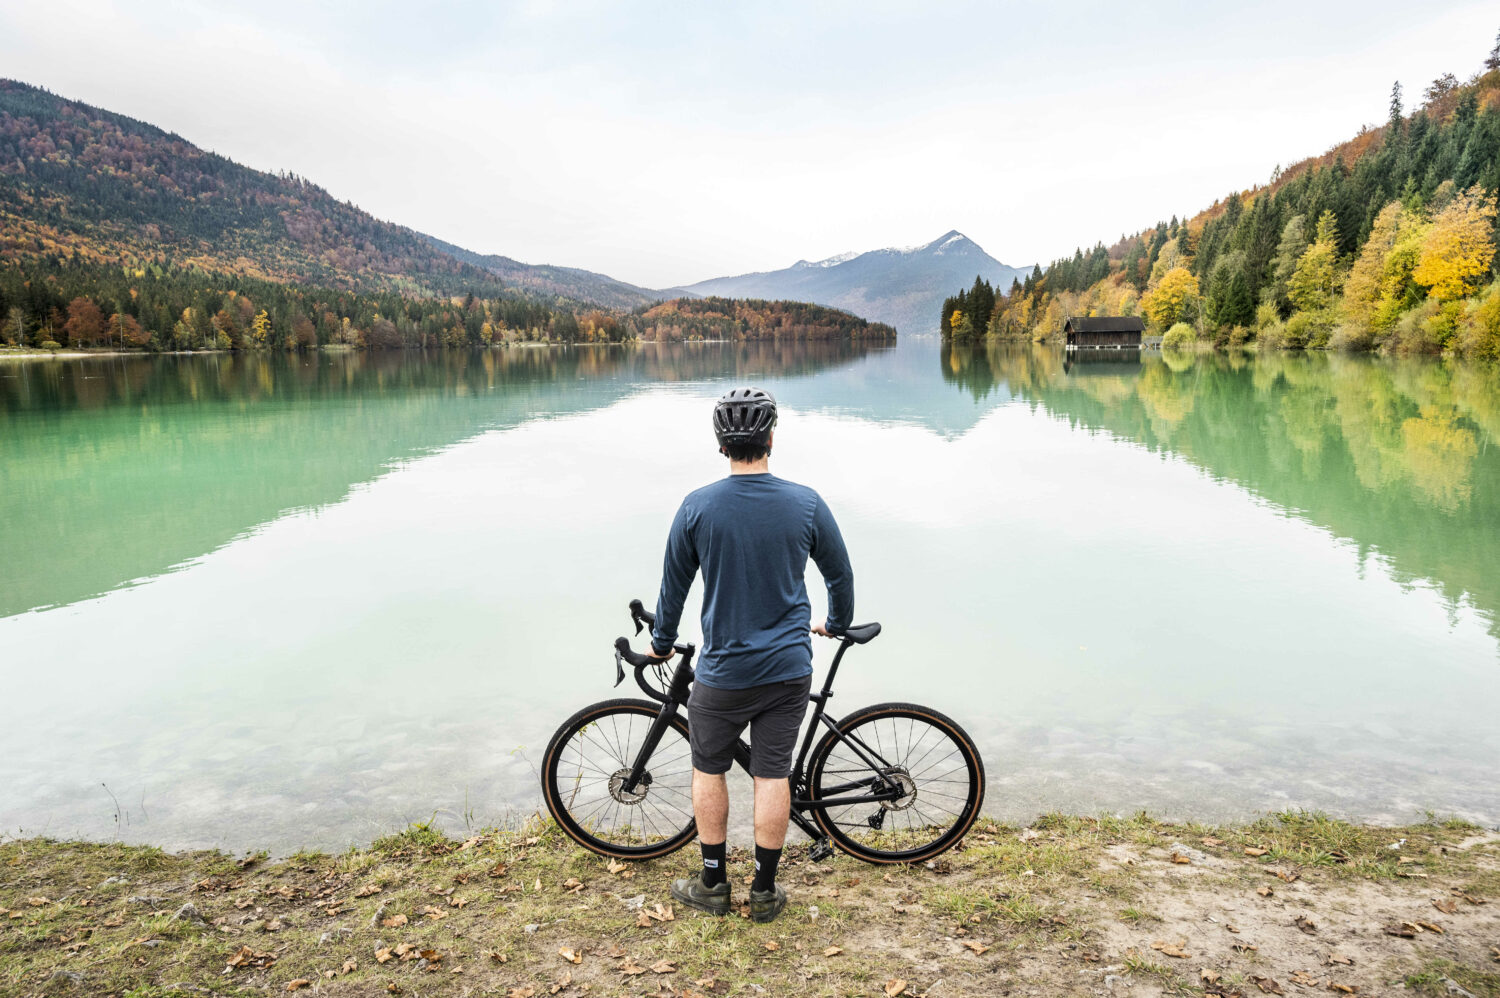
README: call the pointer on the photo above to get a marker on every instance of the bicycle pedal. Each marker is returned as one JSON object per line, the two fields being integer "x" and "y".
{"x": 820, "y": 850}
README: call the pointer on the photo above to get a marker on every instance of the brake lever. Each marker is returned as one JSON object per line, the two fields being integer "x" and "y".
{"x": 619, "y": 668}
{"x": 636, "y": 609}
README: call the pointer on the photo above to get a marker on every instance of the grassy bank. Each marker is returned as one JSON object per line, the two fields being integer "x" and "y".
{"x": 1292, "y": 904}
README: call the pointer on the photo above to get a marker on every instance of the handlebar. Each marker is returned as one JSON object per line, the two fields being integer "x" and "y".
{"x": 639, "y": 662}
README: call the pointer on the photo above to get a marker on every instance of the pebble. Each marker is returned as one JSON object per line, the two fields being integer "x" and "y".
{"x": 188, "y": 913}
{"x": 71, "y": 976}
{"x": 532, "y": 928}
{"x": 149, "y": 900}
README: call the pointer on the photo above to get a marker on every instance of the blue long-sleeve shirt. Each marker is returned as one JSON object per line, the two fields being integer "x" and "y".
{"x": 752, "y": 535}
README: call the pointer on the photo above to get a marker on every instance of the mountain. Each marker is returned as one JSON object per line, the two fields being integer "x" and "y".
{"x": 567, "y": 282}
{"x": 901, "y": 287}
{"x": 84, "y": 184}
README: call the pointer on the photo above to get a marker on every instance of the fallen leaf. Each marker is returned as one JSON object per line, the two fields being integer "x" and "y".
{"x": 498, "y": 870}
{"x": 1245, "y": 948}
{"x": 1267, "y": 984}
{"x": 428, "y": 911}
{"x": 664, "y": 967}
{"x": 643, "y": 921}
{"x": 773, "y": 946}
{"x": 1348, "y": 989}
{"x": 1304, "y": 979}
{"x": 1403, "y": 929}
{"x": 663, "y": 914}
{"x": 1231, "y": 928}
{"x": 615, "y": 951}
{"x": 1264, "y": 892}
{"x": 247, "y": 957}
{"x": 298, "y": 984}
{"x": 570, "y": 955}
{"x": 113, "y": 923}
{"x": 1208, "y": 976}
{"x": 457, "y": 902}
{"x": 562, "y": 982}
{"x": 1178, "y": 857}
{"x": 37, "y": 902}
{"x": 631, "y": 968}
{"x": 895, "y": 986}
{"x": 274, "y": 925}
{"x": 1209, "y": 840}
{"x": 573, "y": 884}
{"x": 615, "y": 866}
{"x": 977, "y": 947}
{"x": 1286, "y": 875}
{"x": 1446, "y": 907}
{"x": 1337, "y": 959}
{"x": 394, "y": 922}
{"x": 833, "y": 951}
{"x": 383, "y": 955}
{"x": 519, "y": 992}
{"x": 350, "y": 966}
{"x": 1256, "y": 851}
{"x": 1305, "y": 924}
{"x": 1432, "y": 927}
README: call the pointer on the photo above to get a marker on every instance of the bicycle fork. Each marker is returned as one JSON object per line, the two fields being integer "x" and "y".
{"x": 677, "y": 695}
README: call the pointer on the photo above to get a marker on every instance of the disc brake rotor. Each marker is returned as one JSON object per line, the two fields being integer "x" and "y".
{"x": 617, "y": 787}
{"x": 904, "y": 783}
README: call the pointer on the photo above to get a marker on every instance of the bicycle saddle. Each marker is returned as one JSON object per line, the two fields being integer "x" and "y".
{"x": 860, "y": 633}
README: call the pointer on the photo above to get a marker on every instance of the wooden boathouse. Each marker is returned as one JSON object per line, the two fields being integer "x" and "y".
{"x": 1104, "y": 332}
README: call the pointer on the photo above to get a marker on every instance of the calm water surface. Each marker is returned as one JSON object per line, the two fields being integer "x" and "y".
{"x": 268, "y": 602}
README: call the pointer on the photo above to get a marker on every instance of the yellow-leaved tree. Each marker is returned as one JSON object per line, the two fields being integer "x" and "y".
{"x": 1457, "y": 249}
{"x": 1380, "y": 285}
{"x": 1316, "y": 280}
{"x": 260, "y": 327}
{"x": 1173, "y": 300}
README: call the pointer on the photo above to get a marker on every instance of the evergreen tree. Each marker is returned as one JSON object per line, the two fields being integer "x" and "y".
{"x": 1493, "y": 61}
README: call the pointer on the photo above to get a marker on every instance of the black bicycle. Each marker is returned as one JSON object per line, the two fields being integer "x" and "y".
{"x": 890, "y": 783}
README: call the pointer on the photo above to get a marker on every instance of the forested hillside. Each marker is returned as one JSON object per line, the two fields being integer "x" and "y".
{"x": 752, "y": 319}
{"x": 78, "y": 182}
{"x": 1386, "y": 241}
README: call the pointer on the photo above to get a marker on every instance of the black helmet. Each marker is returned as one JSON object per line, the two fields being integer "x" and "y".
{"x": 745, "y": 416}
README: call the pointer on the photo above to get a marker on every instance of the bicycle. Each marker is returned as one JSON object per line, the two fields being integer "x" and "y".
{"x": 617, "y": 775}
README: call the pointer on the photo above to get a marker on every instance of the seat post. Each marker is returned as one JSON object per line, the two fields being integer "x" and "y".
{"x": 833, "y": 669}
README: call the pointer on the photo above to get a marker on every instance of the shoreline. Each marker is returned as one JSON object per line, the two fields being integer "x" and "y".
{"x": 1290, "y": 904}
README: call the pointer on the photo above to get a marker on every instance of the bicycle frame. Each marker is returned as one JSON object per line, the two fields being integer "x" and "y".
{"x": 678, "y": 694}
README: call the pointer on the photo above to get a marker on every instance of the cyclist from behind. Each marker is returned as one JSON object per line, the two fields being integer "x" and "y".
{"x": 750, "y": 534}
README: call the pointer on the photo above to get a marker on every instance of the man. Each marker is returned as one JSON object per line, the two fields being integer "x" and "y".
{"x": 751, "y": 534}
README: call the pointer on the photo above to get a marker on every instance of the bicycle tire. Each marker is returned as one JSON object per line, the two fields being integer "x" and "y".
{"x": 556, "y": 796}
{"x": 967, "y": 813}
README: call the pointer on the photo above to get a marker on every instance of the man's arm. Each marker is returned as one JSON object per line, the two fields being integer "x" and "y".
{"x": 678, "y": 569}
{"x": 832, "y": 559}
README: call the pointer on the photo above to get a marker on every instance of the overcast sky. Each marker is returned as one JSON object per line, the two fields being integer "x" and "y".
{"x": 667, "y": 143}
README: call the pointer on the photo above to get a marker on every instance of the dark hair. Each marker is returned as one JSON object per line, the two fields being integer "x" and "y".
{"x": 744, "y": 453}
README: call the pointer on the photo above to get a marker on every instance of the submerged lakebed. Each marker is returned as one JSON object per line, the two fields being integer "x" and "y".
{"x": 276, "y": 602}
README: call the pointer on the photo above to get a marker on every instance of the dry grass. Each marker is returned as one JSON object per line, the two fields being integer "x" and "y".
{"x": 1051, "y": 908}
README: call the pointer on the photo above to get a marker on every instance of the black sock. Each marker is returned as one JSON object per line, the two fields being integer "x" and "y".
{"x": 713, "y": 864}
{"x": 766, "y": 861}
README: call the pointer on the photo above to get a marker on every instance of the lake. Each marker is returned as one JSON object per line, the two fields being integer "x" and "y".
{"x": 285, "y": 602}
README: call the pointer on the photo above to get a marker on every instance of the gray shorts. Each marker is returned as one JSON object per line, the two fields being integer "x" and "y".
{"x": 774, "y": 713}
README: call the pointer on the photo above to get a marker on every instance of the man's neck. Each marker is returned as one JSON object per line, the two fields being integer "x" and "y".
{"x": 761, "y": 467}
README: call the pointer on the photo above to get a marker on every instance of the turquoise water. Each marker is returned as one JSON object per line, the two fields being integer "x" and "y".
{"x": 287, "y": 602}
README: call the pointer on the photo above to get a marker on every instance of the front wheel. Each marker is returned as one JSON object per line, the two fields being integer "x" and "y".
{"x": 587, "y": 764}
{"x": 922, "y": 755}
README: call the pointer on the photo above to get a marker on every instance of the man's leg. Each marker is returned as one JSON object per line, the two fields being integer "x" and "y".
{"x": 773, "y": 805}
{"x": 773, "y": 808}
{"x": 711, "y": 808}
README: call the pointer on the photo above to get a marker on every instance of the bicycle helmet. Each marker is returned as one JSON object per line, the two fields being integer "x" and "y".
{"x": 745, "y": 416}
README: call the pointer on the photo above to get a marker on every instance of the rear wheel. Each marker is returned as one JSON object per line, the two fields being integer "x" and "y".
{"x": 924, "y": 756}
{"x": 585, "y": 768}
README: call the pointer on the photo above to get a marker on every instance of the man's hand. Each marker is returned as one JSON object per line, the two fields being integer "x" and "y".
{"x": 820, "y": 629}
{"x": 651, "y": 653}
